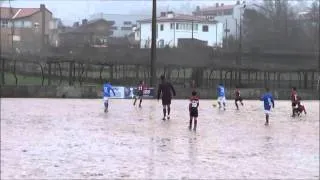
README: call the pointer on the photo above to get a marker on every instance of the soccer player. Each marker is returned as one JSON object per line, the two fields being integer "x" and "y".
{"x": 165, "y": 89}
{"x": 268, "y": 101}
{"x": 139, "y": 94}
{"x": 238, "y": 98}
{"x": 294, "y": 99}
{"x": 193, "y": 110}
{"x": 221, "y": 96}
{"x": 106, "y": 94}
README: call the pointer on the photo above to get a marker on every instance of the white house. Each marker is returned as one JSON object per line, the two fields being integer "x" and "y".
{"x": 174, "y": 27}
{"x": 229, "y": 15}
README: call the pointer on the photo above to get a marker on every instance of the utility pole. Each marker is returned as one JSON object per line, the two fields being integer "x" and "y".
{"x": 192, "y": 31}
{"x": 153, "y": 44}
{"x": 226, "y": 33}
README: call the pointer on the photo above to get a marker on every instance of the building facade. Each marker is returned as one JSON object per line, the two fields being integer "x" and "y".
{"x": 173, "y": 27}
{"x": 24, "y": 29}
{"x": 229, "y": 15}
{"x": 93, "y": 33}
{"x": 123, "y": 23}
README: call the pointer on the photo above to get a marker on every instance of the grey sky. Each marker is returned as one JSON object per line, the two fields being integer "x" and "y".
{"x": 76, "y": 10}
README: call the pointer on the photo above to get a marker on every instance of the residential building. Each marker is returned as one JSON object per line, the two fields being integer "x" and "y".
{"x": 93, "y": 33}
{"x": 123, "y": 23}
{"x": 24, "y": 29}
{"x": 229, "y": 15}
{"x": 56, "y": 27}
{"x": 173, "y": 27}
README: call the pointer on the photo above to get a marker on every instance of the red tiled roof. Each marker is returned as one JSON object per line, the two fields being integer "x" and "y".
{"x": 6, "y": 14}
{"x": 179, "y": 17}
{"x": 214, "y": 8}
{"x": 17, "y": 12}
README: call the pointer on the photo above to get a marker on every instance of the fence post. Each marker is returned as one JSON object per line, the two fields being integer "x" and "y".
{"x": 70, "y": 72}
{"x": 2, "y": 71}
{"x": 49, "y": 73}
{"x": 305, "y": 80}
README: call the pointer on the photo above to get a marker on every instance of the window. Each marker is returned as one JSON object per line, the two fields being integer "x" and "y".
{"x": 114, "y": 27}
{"x": 205, "y": 28}
{"x": 161, "y": 43}
{"x": 27, "y": 24}
{"x": 127, "y": 23}
{"x": 171, "y": 25}
{"x": 4, "y": 23}
{"x": 36, "y": 25}
{"x": 228, "y": 12}
{"x": 126, "y": 28}
{"x": 161, "y": 27}
{"x": 177, "y": 26}
{"x": 195, "y": 27}
{"x": 18, "y": 24}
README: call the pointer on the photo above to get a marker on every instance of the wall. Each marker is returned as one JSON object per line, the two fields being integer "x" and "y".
{"x": 171, "y": 36}
{"x": 95, "y": 92}
{"x": 30, "y": 40}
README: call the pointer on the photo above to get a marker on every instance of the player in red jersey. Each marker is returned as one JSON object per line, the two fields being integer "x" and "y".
{"x": 300, "y": 108}
{"x": 193, "y": 110}
{"x": 238, "y": 97}
{"x": 139, "y": 93}
{"x": 294, "y": 99}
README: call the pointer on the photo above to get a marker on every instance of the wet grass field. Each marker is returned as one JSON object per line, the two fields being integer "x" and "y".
{"x": 75, "y": 139}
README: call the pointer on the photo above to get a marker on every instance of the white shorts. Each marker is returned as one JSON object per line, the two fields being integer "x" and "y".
{"x": 222, "y": 99}
{"x": 105, "y": 99}
{"x": 267, "y": 112}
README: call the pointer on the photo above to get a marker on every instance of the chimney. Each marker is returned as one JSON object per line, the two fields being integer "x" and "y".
{"x": 222, "y": 4}
{"x": 162, "y": 14}
{"x": 76, "y": 24}
{"x": 217, "y": 4}
{"x": 170, "y": 14}
{"x": 84, "y": 21}
{"x": 238, "y": 2}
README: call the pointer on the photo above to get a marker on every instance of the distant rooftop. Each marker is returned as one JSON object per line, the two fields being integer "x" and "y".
{"x": 15, "y": 13}
{"x": 170, "y": 16}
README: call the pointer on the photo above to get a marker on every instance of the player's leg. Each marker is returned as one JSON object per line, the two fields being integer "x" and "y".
{"x": 140, "y": 101}
{"x": 224, "y": 103}
{"x": 195, "y": 124}
{"x": 236, "y": 103}
{"x": 164, "y": 111}
{"x": 267, "y": 117}
{"x": 190, "y": 122}
{"x": 219, "y": 102}
{"x": 106, "y": 104}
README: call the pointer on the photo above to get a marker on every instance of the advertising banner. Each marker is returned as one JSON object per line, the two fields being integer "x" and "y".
{"x": 130, "y": 92}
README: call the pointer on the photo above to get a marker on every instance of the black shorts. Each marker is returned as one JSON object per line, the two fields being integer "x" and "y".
{"x": 238, "y": 99}
{"x": 293, "y": 104}
{"x": 166, "y": 101}
{"x": 194, "y": 113}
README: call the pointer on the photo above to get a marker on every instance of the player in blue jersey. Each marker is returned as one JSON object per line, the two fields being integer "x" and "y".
{"x": 106, "y": 94}
{"x": 221, "y": 96}
{"x": 268, "y": 101}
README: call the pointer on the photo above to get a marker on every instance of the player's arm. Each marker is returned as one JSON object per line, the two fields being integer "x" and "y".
{"x": 173, "y": 91}
{"x": 112, "y": 91}
{"x": 272, "y": 101}
{"x": 304, "y": 110}
{"x": 159, "y": 92}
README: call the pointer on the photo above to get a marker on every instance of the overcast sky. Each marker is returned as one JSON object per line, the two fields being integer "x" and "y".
{"x": 75, "y": 10}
